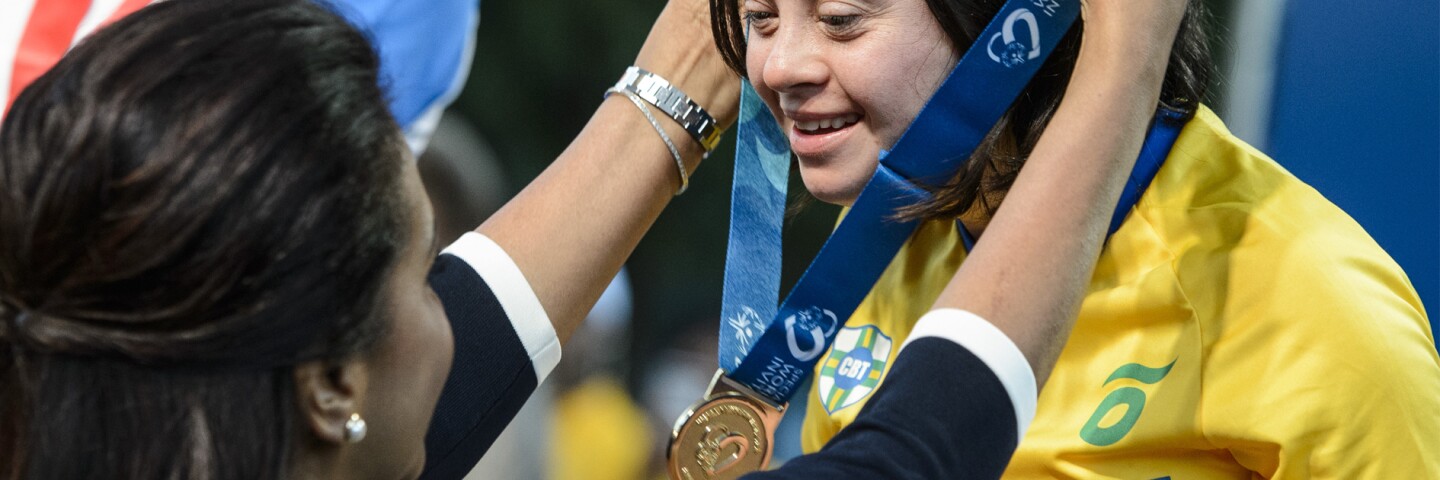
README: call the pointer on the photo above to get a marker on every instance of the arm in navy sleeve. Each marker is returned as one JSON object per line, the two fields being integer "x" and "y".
{"x": 504, "y": 347}
{"x": 941, "y": 414}
{"x": 490, "y": 379}
{"x": 955, "y": 405}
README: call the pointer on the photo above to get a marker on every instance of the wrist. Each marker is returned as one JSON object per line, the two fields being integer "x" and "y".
{"x": 708, "y": 82}
{"x": 641, "y": 135}
{"x": 673, "y": 102}
{"x": 1129, "y": 36}
{"x": 1133, "y": 63}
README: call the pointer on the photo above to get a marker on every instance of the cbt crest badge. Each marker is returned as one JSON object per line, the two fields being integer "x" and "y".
{"x": 854, "y": 368}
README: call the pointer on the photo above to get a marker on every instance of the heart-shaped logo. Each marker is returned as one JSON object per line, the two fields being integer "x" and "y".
{"x": 1016, "y": 53}
{"x": 819, "y": 323}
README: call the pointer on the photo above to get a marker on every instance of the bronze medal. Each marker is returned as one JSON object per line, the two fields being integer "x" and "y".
{"x": 727, "y": 435}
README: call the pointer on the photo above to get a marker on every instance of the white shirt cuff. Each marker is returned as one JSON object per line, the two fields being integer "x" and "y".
{"x": 519, "y": 301}
{"x": 993, "y": 347}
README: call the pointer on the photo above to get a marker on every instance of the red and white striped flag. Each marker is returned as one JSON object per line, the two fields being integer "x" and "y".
{"x": 34, "y": 34}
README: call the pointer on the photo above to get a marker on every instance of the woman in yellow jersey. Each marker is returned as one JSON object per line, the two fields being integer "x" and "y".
{"x": 1238, "y": 323}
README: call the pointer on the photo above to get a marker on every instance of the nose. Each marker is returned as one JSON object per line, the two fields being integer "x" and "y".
{"x": 794, "y": 63}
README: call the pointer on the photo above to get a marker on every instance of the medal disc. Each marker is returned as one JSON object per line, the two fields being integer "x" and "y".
{"x": 723, "y": 438}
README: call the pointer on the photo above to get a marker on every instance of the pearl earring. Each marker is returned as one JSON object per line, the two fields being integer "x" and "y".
{"x": 355, "y": 428}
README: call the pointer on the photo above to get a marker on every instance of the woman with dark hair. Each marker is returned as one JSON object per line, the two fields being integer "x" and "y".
{"x": 214, "y": 252}
{"x": 1235, "y": 314}
{"x": 217, "y": 260}
{"x": 205, "y": 219}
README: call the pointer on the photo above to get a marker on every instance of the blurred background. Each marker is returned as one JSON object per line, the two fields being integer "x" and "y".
{"x": 1344, "y": 94}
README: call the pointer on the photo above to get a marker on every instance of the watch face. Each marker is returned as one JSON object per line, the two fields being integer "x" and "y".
{"x": 723, "y": 438}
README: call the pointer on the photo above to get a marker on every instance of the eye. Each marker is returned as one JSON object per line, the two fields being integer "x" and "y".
{"x": 839, "y": 21}
{"x": 761, "y": 22}
{"x": 754, "y": 16}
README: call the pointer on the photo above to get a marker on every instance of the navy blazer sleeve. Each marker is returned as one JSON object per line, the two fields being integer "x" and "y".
{"x": 942, "y": 414}
{"x": 491, "y": 378}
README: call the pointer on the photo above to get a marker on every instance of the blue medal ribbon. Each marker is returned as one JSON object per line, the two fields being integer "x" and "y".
{"x": 771, "y": 350}
{"x": 757, "y": 210}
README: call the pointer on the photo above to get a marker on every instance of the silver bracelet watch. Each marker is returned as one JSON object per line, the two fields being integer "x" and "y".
{"x": 660, "y": 93}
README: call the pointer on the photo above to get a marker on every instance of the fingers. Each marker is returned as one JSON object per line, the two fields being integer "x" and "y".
{"x": 680, "y": 49}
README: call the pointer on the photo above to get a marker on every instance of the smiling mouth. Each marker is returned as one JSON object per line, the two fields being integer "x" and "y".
{"x": 811, "y": 138}
{"x": 829, "y": 125}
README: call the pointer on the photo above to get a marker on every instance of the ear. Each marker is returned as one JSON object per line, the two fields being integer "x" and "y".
{"x": 328, "y": 393}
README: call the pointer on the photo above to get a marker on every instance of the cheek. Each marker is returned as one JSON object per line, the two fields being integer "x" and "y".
{"x": 890, "y": 99}
{"x": 421, "y": 348}
{"x": 407, "y": 372}
{"x": 436, "y": 342}
{"x": 892, "y": 78}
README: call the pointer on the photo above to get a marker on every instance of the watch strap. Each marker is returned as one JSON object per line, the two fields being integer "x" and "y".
{"x": 658, "y": 92}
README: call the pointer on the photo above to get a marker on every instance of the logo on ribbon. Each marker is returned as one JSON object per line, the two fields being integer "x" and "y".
{"x": 1015, "y": 52}
{"x": 745, "y": 324}
{"x": 819, "y": 323}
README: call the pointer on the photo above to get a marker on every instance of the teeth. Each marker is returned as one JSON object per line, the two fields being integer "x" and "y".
{"x": 835, "y": 122}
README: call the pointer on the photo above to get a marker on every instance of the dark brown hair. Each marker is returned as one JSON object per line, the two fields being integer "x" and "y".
{"x": 192, "y": 201}
{"x": 997, "y": 160}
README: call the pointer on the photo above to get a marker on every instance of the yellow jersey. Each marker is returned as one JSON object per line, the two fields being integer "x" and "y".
{"x": 1238, "y": 325}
